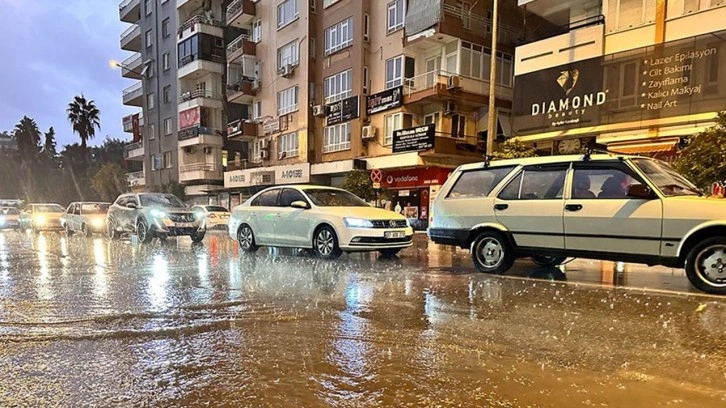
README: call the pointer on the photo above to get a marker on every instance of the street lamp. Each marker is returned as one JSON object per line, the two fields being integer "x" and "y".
{"x": 492, "y": 125}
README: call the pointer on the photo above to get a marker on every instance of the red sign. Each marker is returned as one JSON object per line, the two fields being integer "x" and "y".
{"x": 135, "y": 127}
{"x": 376, "y": 176}
{"x": 189, "y": 118}
{"x": 418, "y": 177}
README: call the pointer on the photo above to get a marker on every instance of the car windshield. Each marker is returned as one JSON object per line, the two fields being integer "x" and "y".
{"x": 49, "y": 208}
{"x": 10, "y": 211}
{"x": 216, "y": 208}
{"x": 94, "y": 208}
{"x": 668, "y": 181}
{"x": 334, "y": 198}
{"x": 160, "y": 200}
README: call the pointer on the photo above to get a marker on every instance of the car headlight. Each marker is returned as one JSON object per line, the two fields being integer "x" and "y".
{"x": 2, "y": 220}
{"x": 357, "y": 223}
{"x": 408, "y": 222}
{"x": 97, "y": 222}
{"x": 199, "y": 215}
{"x": 39, "y": 219}
{"x": 158, "y": 213}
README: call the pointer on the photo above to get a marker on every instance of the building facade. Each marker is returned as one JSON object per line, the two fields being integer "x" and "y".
{"x": 639, "y": 76}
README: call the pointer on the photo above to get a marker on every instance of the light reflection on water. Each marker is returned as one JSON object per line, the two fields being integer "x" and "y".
{"x": 352, "y": 348}
{"x": 100, "y": 283}
{"x": 42, "y": 282}
{"x": 157, "y": 283}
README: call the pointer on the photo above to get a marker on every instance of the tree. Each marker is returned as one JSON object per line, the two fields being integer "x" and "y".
{"x": 27, "y": 136}
{"x": 110, "y": 181}
{"x": 514, "y": 149}
{"x": 50, "y": 145}
{"x": 85, "y": 118}
{"x": 358, "y": 182}
{"x": 704, "y": 160}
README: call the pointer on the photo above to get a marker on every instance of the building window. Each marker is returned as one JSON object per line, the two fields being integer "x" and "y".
{"x": 152, "y": 131}
{"x": 287, "y": 12}
{"x": 287, "y": 54}
{"x": 337, "y": 138}
{"x": 256, "y": 110}
{"x": 313, "y": 6}
{"x": 149, "y": 39}
{"x": 339, "y": 36}
{"x": 338, "y": 86}
{"x": 167, "y": 160}
{"x": 366, "y": 81}
{"x": 398, "y": 69}
{"x": 165, "y": 27}
{"x": 328, "y": 3}
{"x": 147, "y": 7}
{"x": 167, "y": 94}
{"x": 150, "y": 100}
{"x": 458, "y": 126}
{"x": 287, "y": 101}
{"x": 504, "y": 69}
{"x": 256, "y": 31}
{"x": 396, "y": 15}
{"x": 287, "y": 145}
{"x": 395, "y": 122}
{"x": 257, "y": 147}
{"x": 165, "y": 61}
{"x": 167, "y": 127}
{"x": 432, "y": 118}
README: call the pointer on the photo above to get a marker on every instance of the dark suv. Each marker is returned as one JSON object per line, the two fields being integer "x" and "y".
{"x": 152, "y": 215}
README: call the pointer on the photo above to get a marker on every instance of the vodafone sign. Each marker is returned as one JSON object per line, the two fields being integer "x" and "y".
{"x": 418, "y": 177}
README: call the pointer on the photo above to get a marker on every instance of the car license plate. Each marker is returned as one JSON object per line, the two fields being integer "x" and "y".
{"x": 394, "y": 234}
{"x": 182, "y": 225}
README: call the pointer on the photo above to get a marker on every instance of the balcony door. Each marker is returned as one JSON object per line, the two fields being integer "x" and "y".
{"x": 433, "y": 65}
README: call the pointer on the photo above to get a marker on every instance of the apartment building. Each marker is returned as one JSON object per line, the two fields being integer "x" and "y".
{"x": 636, "y": 75}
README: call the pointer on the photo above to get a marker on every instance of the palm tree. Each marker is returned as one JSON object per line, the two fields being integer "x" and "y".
{"x": 85, "y": 118}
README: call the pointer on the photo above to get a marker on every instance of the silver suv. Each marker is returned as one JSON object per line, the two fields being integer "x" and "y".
{"x": 152, "y": 215}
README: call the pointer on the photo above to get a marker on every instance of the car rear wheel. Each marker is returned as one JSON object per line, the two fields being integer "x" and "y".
{"x": 325, "y": 243}
{"x": 492, "y": 253}
{"x": 69, "y": 232}
{"x": 546, "y": 260}
{"x": 246, "y": 239}
{"x": 111, "y": 229}
{"x": 85, "y": 231}
{"x": 706, "y": 266}
{"x": 389, "y": 253}
{"x": 142, "y": 231}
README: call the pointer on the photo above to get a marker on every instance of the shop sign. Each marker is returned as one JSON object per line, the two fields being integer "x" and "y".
{"x": 190, "y": 117}
{"x": 677, "y": 78}
{"x": 418, "y": 177}
{"x": 383, "y": 101}
{"x": 263, "y": 178}
{"x": 414, "y": 139}
{"x": 291, "y": 174}
{"x": 343, "y": 110}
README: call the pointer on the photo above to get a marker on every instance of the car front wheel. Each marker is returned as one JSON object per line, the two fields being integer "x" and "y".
{"x": 325, "y": 243}
{"x": 142, "y": 231}
{"x": 706, "y": 266}
{"x": 492, "y": 253}
{"x": 546, "y": 260}
{"x": 246, "y": 239}
{"x": 69, "y": 232}
{"x": 111, "y": 229}
{"x": 198, "y": 236}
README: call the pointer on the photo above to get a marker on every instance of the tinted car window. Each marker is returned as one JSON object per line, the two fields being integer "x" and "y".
{"x": 536, "y": 183}
{"x": 216, "y": 208}
{"x": 11, "y": 211}
{"x": 334, "y": 198}
{"x": 601, "y": 182}
{"x": 162, "y": 200}
{"x": 48, "y": 208}
{"x": 289, "y": 195}
{"x": 266, "y": 199}
{"x": 94, "y": 208}
{"x": 478, "y": 183}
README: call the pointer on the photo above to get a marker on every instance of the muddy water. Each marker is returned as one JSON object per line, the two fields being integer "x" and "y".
{"x": 88, "y": 323}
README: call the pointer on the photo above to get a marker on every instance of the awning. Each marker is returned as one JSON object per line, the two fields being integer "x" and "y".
{"x": 645, "y": 147}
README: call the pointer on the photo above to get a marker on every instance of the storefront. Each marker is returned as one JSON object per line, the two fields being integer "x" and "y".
{"x": 412, "y": 191}
{"x": 242, "y": 184}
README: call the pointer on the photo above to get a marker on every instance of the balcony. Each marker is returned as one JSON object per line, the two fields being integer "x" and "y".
{"x": 199, "y": 97}
{"x": 240, "y": 13}
{"x": 242, "y": 129}
{"x": 200, "y": 172}
{"x": 134, "y": 95}
{"x": 423, "y": 23}
{"x": 200, "y": 24}
{"x": 134, "y": 151}
{"x": 131, "y": 38}
{"x": 240, "y": 46}
{"x": 131, "y": 67}
{"x": 130, "y": 11}
{"x": 243, "y": 91}
{"x": 194, "y": 67}
{"x": 439, "y": 86}
{"x": 128, "y": 122}
{"x": 200, "y": 136}
{"x": 136, "y": 179}
{"x": 447, "y": 146}
{"x": 243, "y": 165}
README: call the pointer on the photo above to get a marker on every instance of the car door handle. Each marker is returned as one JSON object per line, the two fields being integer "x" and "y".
{"x": 573, "y": 207}
{"x": 501, "y": 207}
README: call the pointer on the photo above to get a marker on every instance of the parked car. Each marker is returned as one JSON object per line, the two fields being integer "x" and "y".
{"x": 216, "y": 217}
{"x": 328, "y": 220}
{"x": 11, "y": 202}
{"x": 153, "y": 215}
{"x": 617, "y": 208}
{"x": 85, "y": 217}
{"x": 9, "y": 218}
{"x": 41, "y": 217}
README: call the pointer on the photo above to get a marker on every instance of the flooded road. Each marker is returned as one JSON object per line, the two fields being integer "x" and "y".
{"x": 87, "y": 322}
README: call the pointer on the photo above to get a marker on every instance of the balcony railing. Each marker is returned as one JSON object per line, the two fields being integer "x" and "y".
{"x": 136, "y": 175}
{"x": 198, "y": 19}
{"x": 186, "y": 168}
{"x": 237, "y": 43}
{"x": 243, "y": 165}
{"x": 132, "y": 89}
{"x": 431, "y": 79}
{"x": 197, "y": 93}
{"x": 131, "y": 60}
{"x": 188, "y": 59}
{"x": 125, "y": 4}
{"x": 129, "y": 30}
{"x": 192, "y": 132}
{"x": 236, "y": 6}
{"x": 480, "y": 24}
{"x": 132, "y": 146}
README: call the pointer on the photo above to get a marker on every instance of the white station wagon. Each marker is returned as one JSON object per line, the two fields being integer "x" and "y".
{"x": 328, "y": 220}
{"x": 618, "y": 208}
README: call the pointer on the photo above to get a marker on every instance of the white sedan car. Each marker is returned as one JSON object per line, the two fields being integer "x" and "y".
{"x": 328, "y": 220}
{"x": 216, "y": 217}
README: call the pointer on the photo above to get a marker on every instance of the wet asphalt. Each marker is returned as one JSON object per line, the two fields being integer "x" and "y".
{"x": 89, "y": 322}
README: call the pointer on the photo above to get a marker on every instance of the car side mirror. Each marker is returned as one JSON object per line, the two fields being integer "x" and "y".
{"x": 299, "y": 204}
{"x": 641, "y": 191}
{"x": 131, "y": 205}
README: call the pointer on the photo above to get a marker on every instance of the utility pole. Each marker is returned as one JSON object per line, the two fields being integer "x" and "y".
{"x": 492, "y": 125}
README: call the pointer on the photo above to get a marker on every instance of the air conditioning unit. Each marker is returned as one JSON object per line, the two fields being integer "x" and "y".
{"x": 207, "y": 150}
{"x": 264, "y": 144}
{"x": 286, "y": 70}
{"x": 369, "y": 132}
{"x": 453, "y": 82}
{"x": 319, "y": 110}
{"x": 256, "y": 84}
{"x": 450, "y": 107}
{"x": 264, "y": 154}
